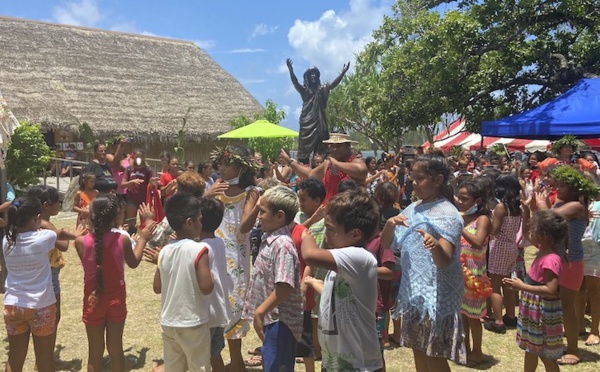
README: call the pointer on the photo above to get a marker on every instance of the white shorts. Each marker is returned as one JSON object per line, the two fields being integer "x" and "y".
{"x": 186, "y": 348}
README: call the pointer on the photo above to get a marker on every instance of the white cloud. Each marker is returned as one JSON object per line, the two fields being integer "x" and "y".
{"x": 83, "y": 13}
{"x": 252, "y": 81}
{"x": 205, "y": 44}
{"x": 262, "y": 29}
{"x": 335, "y": 38}
{"x": 297, "y": 112}
{"x": 247, "y": 50}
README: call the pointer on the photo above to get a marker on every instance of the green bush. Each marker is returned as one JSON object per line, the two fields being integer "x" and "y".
{"x": 28, "y": 155}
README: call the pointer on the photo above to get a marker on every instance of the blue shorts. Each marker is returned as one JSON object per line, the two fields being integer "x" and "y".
{"x": 217, "y": 341}
{"x": 279, "y": 348}
{"x": 55, "y": 281}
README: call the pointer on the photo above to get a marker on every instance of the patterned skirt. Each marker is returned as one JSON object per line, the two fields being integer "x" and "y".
{"x": 540, "y": 326}
{"x": 444, "y": 340}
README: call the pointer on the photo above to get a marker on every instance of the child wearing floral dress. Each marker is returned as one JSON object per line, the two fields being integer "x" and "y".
{"x": 472, "y": 204}
{"x": 240, "y": 197}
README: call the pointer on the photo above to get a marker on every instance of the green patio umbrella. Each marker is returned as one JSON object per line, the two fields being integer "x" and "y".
{"x": 260, "y": 129}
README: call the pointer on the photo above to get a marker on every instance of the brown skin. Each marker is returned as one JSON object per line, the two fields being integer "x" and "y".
{"x": 338, "y": 154}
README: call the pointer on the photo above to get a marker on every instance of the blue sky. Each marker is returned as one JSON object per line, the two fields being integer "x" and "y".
{"x": 249, "y": 39}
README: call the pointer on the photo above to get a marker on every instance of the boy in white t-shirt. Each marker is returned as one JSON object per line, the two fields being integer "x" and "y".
{"x": 212, "y": 210}
{"x": 184, "y": 279}
{"x": 347, "y": 323}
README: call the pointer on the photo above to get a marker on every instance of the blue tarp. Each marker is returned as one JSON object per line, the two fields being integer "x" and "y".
{"x": 576, "y": 112}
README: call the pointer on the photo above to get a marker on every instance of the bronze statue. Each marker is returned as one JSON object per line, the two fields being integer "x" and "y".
{"x": 313, "y": 123}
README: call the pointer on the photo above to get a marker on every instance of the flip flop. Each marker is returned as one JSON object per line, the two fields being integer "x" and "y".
{"x": 568, "y": 360}
{"x": 592, "y": 340}
{"x": 254, "y": 361}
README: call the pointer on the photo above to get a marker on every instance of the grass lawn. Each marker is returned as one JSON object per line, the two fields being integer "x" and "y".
{"x": 142, "y": 337}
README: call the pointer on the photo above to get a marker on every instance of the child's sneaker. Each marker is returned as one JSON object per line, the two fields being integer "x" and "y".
{"x": 493, "y": 327}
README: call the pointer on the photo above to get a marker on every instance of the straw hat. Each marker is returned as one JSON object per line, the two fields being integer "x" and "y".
{"x": 339, "y": 138}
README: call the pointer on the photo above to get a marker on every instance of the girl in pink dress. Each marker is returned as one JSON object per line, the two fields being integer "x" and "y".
{"x": 103, "y": 253}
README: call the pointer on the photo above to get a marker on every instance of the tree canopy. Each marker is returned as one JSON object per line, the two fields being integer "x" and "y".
{"x": 479, "y": 60}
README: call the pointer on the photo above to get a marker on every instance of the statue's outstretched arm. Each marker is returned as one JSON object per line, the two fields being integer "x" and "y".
{"x": 338, "y": 79}
{"x": 297, "y": 85}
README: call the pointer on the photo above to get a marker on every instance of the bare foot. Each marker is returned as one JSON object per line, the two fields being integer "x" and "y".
{"x": 159, "y": 368}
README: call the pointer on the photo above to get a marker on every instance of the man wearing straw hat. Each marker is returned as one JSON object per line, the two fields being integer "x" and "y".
{"x": 339, "y": 166}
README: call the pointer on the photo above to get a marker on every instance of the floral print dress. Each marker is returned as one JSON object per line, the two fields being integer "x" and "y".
{"x": 237, "y": 251}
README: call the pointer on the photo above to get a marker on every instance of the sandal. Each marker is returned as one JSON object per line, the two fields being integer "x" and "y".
{"x": 568, "y": 360}
{"x": 592, "y": 340}
{"x": 254, "y": 361}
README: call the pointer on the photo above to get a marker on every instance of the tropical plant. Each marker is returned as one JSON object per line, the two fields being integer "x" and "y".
{"x": 28, "y": 155}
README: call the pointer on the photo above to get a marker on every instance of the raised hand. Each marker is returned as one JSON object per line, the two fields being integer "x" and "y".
{"x": 148, "y": 231}
{"x": 286, "y": 158}
{"x": 398, "y": 220}
{"x": 146, "y": 212}
{"x": 80, "y": 230}
{"x": 345, "y": 67}
{"x": 429, "y": 242}
{"x": 218, "y": 188}
{"x": 289, "y": 64}
{"x": 151, "y": 254}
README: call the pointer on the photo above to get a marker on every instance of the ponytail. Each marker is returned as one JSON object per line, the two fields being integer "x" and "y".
{"x": 20, "y": 213}
{"x": 103, "y": 212}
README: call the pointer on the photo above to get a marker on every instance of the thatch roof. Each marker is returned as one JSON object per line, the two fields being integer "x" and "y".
{"x": 116, "y": 82}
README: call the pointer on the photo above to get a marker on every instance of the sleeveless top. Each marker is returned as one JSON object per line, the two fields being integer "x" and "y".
{"x": 113, "y": 259}
{"x": 332, "y": 181}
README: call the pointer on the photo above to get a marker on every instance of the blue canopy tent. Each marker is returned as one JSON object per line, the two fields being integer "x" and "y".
{"x": 575, "y": 112}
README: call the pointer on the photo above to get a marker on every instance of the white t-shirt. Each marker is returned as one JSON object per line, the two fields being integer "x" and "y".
{"x": 183, "y": 305}
{"x": 347, "y": 330}
{"x": 123, "y": 232}
{"x": 220, "y": 309}
{"x": 29, "y": 282}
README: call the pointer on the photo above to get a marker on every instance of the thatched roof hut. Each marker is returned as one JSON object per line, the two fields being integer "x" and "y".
{"x": 116, "y": 82}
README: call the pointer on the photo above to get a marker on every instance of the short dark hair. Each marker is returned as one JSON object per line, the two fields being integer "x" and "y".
{"x": 354, "y": 209}
{"x": 386, "y": 194}
{"x": 180, "y": 207}
{"x": 347, "y": 184}
{"x": 212, "y": 210}
{"x": 44, "y": 193}
{"x": 313, "y": 187}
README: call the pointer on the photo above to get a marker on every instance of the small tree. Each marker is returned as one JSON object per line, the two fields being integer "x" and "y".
{"x": 28, "y": 155}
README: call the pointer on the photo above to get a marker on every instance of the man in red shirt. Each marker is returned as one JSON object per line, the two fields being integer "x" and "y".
{"x": 339, "y": 166}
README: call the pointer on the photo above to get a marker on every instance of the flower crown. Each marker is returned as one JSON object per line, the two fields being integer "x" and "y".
{"x": 576, "y": 180}
{"x": 227, "y": 155}
{"x": 566, "y": 141}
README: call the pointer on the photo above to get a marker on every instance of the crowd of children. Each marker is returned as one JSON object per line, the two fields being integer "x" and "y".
{"x": 434, "y": 243}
